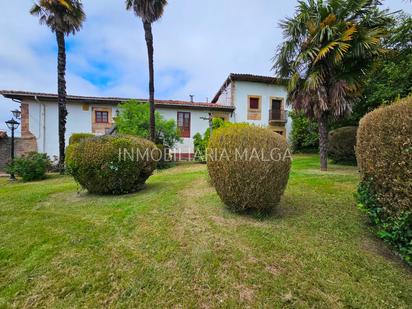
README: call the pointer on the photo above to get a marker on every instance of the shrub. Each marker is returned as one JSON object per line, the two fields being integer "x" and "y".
{"x": 78, "y": 137}
{"x": 32, "y": 166}
{"x": 304, "y": 134}
{"x": 134, "y": 120}
{"x": 249, "y": 167}
{"x": 165, "y": 161}
{"x": 396, "y": 230}
{"x": 384, "y": 154}
{"x": 342, "y": 144}
{"x": 102, "y": 166}
{"x": 201, "y": 142}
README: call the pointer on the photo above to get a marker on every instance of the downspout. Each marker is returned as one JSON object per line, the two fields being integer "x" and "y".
{"x": 42, "y": 121}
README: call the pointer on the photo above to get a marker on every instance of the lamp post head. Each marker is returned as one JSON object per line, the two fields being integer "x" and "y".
{"x": 16, "y": 113}
{"x": 12, "y": 124}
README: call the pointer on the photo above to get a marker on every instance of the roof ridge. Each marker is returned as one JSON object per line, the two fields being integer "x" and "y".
{"x": 17, "y": 92}
{"x": 20, "y": 95}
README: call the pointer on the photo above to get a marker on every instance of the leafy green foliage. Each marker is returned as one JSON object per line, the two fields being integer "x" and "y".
{"x": 30, "y": 167}
{"x": 305, "y": 133}
{"x": 390, "y": 76}
{"x": 134, "y": 119}
{"x": 249, "y": 167}
{"x": 78, "y": 137}
{"x": 342, "y": 144}
{"x": 165, "y": 161}
{"x": 396, "y": 231}
{"x": 384, "y": 154}
{"x": 102, "y": 166}
{"x": 201, "y": 142}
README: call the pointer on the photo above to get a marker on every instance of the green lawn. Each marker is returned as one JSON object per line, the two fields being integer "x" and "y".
{"x": 174, "y": 244}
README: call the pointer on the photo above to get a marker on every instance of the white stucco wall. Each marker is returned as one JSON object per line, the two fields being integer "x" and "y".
{"x": 245, "y": 89}
{"x": 43, "y": 122}
{"x": 197, "y": 125}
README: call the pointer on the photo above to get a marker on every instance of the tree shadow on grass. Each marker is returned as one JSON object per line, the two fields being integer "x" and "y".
{"x": 282, "y": 211}
{"x": 150, "y": 188}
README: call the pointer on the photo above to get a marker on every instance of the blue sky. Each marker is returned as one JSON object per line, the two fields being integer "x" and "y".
{"x": 197, "y": 44}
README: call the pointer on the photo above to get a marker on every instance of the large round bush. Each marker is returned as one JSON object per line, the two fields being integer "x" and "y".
{"x": 249, "y": 166}
{"x": 78, "y": 137}
{"x": 112, "y": 164}
{"x": 384, "y": 154}
{"x": 342, "y": 144}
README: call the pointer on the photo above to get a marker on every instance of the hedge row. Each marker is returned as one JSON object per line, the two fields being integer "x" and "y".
{"x": 384, "y": 154}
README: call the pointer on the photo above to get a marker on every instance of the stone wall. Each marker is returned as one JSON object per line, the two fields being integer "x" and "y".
{"x": 22, "y": 146}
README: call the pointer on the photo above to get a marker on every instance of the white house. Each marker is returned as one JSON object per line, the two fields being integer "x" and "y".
{"x": 260, "y": 100}
{"x": 248, "y": 98}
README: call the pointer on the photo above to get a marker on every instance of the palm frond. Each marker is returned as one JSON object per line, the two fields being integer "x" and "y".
{"x": 327, "y": 47}
{"x": 348, "y": 34}
{"x": 148, "y": 10}
{"x": 66, "y": 16}
{"x": 324, "y": 51}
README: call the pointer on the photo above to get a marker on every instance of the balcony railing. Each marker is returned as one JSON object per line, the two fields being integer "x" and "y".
{"x": 278, "y": 116}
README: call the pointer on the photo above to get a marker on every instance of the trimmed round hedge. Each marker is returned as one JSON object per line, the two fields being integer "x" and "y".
{"x": 111, "y": 165}
{"x": 249, "y": 167}
{"x": 78, "y": 137}
{"x": 342, "y": 144}
{"x": 384, "y": 154}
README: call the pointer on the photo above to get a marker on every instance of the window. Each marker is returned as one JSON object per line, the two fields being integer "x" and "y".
{"x": 102, "y": 117}
{"x": 183, "y": 123}
{"x": 253, "y": 103}
{"x": 254, "y": 107}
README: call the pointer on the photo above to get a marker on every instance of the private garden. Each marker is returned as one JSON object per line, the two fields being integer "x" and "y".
{"x": 323, "y": 220}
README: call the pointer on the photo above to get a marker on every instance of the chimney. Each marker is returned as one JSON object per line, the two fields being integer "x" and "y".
{"x": 191, "y": 97}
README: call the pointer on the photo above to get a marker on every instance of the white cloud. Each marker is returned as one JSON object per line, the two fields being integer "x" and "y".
{"x": 201, "y": 41}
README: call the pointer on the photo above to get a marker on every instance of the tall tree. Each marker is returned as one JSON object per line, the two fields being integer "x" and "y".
{"x": 327, "y": 48}
{"x": 149, "y": 11}
{"x": 63, "y": 17}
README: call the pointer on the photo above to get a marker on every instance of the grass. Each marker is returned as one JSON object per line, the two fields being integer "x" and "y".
{"x": 175, "y": 245}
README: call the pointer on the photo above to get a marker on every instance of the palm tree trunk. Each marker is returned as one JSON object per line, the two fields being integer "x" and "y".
{"x": 323, "y": 142}
{"x": 61, "y": 89}
{"x": 150, "y": 51}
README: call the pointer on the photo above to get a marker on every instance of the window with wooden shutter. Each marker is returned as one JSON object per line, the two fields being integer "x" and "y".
{"x": 183, "y": 124}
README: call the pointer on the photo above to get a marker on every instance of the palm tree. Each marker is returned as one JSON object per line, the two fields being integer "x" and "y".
{"x": 63, "y": 17}
{"x": 327, "y": 48}
{"x": 149, "y": 11}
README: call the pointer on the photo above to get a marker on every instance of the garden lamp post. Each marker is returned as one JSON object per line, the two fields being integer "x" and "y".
{"x": 12, "y": 125}
{"x": 16, "y": 113}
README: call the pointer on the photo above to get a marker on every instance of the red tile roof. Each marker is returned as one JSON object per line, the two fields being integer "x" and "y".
{"x": 3, "y": 134}
{"x": 21, "y": 95}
